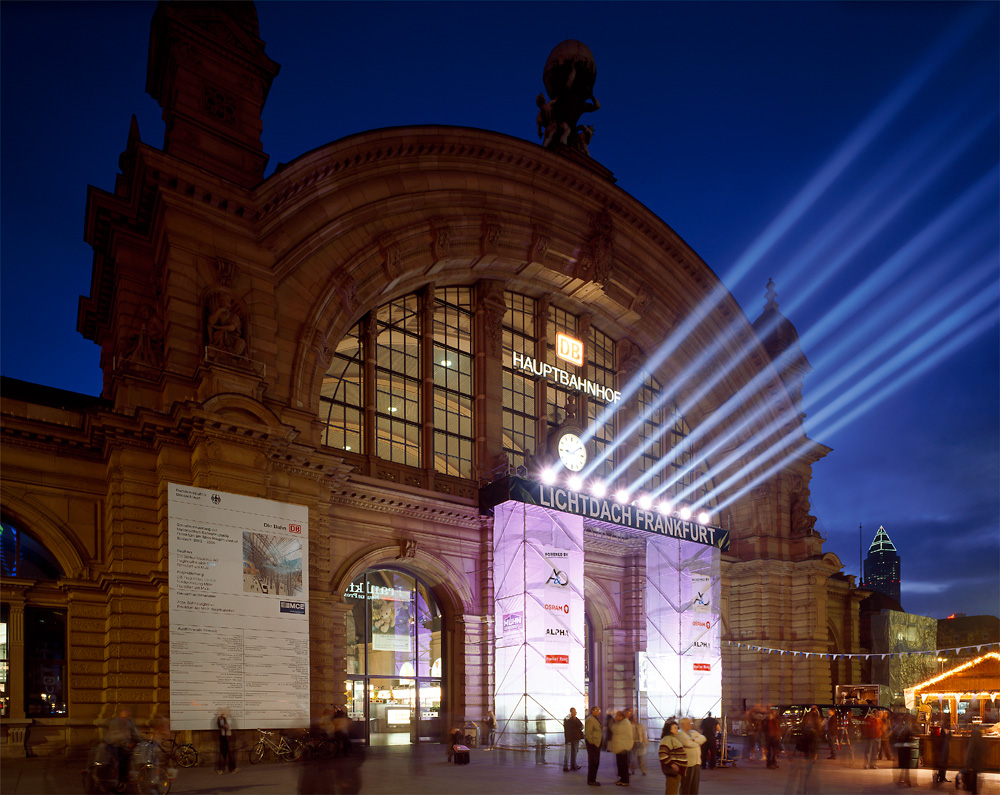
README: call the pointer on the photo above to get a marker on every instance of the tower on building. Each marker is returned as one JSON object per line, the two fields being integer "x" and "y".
{"x": 882, "y": 566}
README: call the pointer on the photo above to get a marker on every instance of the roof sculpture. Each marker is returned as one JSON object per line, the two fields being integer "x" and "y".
{"x": 569, "y": 76}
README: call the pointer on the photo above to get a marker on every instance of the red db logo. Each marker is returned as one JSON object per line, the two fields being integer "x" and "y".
{"x": 294, "y": 528}
{"x": 569, "y": 349}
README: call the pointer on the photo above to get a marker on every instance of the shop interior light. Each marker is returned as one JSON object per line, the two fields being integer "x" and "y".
{"x": 598, "y": 489}
{"x": 393, "y": 409}
{"x": 685, "y": 513}
{"x": 446, "y": 362}
{"x": 575, "y": 482}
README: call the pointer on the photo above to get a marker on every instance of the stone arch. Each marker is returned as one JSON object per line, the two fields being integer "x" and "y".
{"x": 448, "y": 584}
{"x": 56, "y": 535}
{"x": 383, "y": 213}
{"x": 240, "y": 408}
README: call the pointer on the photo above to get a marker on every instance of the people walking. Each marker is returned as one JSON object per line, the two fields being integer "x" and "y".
{"x": 692, "y": 740}
{"x": 593, "y": 734}
{"x": 572, "y": 733}
{"x": 941, "y": 753}
{"x": 902, "y": 739}
{"x": 673, "y": 757}
{"x": 621, "y": 743}
{"x": 871, "y": 731}
{"x": 637, "y": 756}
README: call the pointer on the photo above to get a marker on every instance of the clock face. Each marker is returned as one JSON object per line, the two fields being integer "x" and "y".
{"x": 572, "y": 452}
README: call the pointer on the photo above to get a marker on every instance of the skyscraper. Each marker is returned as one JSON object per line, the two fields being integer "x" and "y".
{"x": 882, "y": 565}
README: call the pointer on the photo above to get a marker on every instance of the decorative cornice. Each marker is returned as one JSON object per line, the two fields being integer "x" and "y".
{"x": 412, "y": 506}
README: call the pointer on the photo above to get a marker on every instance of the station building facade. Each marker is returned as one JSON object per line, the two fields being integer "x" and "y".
{"x": 349, "y": 335}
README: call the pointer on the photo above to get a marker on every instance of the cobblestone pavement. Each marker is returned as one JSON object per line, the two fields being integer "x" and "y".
{"x": 422, "y": 770}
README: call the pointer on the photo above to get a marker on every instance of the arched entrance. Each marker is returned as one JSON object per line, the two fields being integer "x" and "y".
{"x": 394, "y": 657}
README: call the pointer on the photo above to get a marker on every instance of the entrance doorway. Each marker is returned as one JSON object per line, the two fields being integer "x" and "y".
{"x": 394, "y": 658}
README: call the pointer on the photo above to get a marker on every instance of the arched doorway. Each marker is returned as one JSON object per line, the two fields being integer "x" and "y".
{"x": 394, "y": 657}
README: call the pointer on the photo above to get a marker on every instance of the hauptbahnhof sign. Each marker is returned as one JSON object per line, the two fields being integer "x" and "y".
{"x": 601, "y": 509}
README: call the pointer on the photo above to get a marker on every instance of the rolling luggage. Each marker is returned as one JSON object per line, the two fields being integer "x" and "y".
{"x": 461, "y": 754}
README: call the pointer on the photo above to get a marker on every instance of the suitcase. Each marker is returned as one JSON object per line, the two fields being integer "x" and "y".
{"x": 461, "y": 754}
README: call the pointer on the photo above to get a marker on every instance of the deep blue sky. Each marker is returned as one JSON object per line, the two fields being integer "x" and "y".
{"x": 848, "y": 150}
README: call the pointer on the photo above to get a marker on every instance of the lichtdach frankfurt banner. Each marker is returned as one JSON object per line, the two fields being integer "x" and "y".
{"x": 239, "y": 610}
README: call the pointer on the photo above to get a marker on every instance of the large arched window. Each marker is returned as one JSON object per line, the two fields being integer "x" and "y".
{"x": 33, "y": 664}
{"x": 408, "y": 368}
{"x": 394, "y": 657}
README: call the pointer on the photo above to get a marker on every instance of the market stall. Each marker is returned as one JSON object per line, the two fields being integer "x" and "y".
{"x": 959, "y": 701}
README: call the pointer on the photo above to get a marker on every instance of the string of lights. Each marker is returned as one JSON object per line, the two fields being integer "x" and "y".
{"x": 855, "y": 656}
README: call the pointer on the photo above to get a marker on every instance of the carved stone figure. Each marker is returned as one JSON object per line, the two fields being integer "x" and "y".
{"x": 224, "y": 326}
{"x": 569, "y": 77}
{"x": 146, "y": 347}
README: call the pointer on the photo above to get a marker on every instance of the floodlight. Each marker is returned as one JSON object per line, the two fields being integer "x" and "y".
{"x": 685, "y": 513}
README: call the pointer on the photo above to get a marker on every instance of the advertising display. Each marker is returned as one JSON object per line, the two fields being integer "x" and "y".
{"x": 683, "y": 661}
{"x": 538, "y": 571}
{"x": 239, "y": 610}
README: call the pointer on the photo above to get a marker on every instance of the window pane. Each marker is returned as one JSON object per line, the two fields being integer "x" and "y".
{"x": 45, "y": 665}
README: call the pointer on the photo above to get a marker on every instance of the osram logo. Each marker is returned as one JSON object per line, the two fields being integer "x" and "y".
{"x": 558, "y": 608}
{"x": 705, "y": 624}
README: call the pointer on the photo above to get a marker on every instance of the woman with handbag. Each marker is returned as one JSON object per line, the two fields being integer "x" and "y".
{"x": 673, "y": 757}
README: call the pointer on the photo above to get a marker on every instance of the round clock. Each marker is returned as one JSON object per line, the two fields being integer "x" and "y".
{"x": 572, "y": 452}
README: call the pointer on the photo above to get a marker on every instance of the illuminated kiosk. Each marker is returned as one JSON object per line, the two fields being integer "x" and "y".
{"x": 539, "y": 604}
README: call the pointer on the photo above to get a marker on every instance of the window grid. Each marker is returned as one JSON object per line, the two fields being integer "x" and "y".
{"x": 652, "y": 428}
{"x": 601, "y": 370}
{"x": 559, "y": 320}
{"x": 397, "y": 381}
{"x": 518, "y": 390}
{"x": 342, "y": 395}
{"x": 453, "y": 383}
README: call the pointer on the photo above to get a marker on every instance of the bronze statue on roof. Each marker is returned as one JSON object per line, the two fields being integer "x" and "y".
{"x": 569, "y": 78}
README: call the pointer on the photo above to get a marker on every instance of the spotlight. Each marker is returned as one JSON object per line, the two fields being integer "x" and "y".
{"x": 575, "y": 482}
{"x": 621, "y": 496}
{"x": 685, "y": 513}
{"x": 665, "y": 507}
{"x": 645, "y": 502}
{"x": 548, "y": 477}
{"x": 598, "y": 489}
{"x": 704, "y": 518}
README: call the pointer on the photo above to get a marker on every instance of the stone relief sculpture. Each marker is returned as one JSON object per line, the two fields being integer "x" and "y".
{"x": 146, "y": 346}
{"x": 569, "y": 77}
{"x": 224, "y": 325}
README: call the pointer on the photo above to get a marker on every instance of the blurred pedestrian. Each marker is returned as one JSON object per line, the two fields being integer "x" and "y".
{"x": 637, "y": 756}
{"x": 491, "y": 729}
{"x": 772, "y": 736}
{"x": 224, "y": 730}
{"x": 974, "y": 753}
{"x": 832, "y": 728}
{"x": 593, "y": 734}
{"x": 692, "y": 740}
{"x": 871, "y": 731}
{"x": 941, "y": 752}
{"x": 572, "y": 734}
{"x": 710, "y": 751}
{"x": 621, "y": 743}
{"x": 901, "y": 739}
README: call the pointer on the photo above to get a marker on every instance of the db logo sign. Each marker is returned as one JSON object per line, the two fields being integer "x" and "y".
{"x": 569, "y": 349}
{"x": 295, "y": 528}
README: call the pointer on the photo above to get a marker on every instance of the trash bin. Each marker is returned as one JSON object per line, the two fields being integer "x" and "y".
{"x": 471, "y": 732}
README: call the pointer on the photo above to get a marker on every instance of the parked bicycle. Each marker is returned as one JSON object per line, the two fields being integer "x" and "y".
{"x": 314, "y": 743}
{"x": 280, "y": 747}
{"x": 178, "y": 753}
{"x": 147, "y": 774}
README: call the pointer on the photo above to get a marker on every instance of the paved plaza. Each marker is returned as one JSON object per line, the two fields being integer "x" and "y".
{"x": 422, "y": 770}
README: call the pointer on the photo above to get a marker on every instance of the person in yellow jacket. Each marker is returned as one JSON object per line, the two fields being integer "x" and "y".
{"x": 593, "y": 734}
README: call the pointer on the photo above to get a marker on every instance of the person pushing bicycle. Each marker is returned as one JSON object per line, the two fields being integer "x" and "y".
{"x": 121, "y": 736}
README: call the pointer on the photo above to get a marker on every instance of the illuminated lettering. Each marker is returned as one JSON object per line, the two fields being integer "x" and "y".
{"x": 569, "y": 349}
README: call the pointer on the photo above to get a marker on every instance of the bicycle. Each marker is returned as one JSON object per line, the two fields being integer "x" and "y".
{"x": 183, "y": 754}
{"x": 281, "y": 749}
{"x": 146, "y": 772}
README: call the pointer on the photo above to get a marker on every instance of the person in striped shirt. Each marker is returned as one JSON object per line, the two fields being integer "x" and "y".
{"x": 673, "y": 757}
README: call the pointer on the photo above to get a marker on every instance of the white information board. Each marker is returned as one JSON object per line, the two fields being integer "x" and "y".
{"x": 239, "y": 610}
